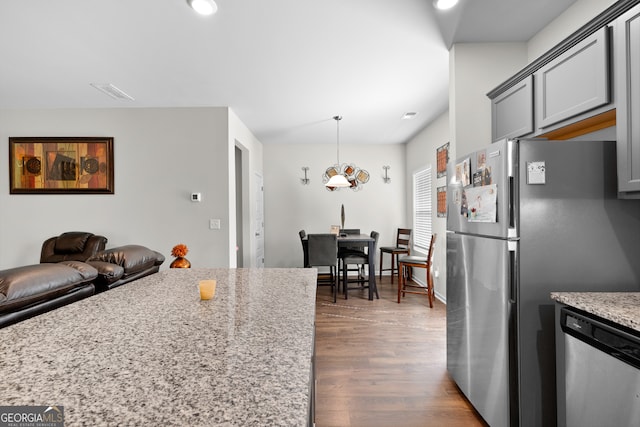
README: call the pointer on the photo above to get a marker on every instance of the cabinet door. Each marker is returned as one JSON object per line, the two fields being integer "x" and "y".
{"x": 575, "y": 82}
{"x": 627, "y": 87}
{"x": 512, "y": 111}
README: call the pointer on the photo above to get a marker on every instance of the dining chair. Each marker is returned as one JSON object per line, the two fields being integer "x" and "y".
{"x": 403, "y": 237}
{"x": 323, "y": 252}
{"x": 411, "y": 261}
{"x": 305, "y": 248}
{"x": 344, "y": 250}
{"x": 359, "y": 259}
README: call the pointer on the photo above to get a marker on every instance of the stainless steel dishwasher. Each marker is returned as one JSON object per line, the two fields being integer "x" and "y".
{"x": 602, "y": 371}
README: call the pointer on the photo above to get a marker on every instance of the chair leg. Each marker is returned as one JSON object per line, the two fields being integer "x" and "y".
{"x": 381, "y": 264}
{"x": 430, "y": 289}
{"x": 393, "y": 264}
{"x": 345, "y": 283}
{"x": 335, "y": 284}
{"x": 400, "y": 280}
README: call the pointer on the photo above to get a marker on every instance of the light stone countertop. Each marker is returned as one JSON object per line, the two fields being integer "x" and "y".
{"x": 619, "y": 307}
{"x": 151, "y": 352}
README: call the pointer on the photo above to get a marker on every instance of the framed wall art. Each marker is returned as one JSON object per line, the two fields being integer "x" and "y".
{"x": 442, "y": 202}
{"x": 59, "y": 165}
{"x": 442, "y": 157}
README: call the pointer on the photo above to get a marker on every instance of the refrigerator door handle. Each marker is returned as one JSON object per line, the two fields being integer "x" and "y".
{"x": 511, "y": 165}
{"x": 513, "y": 276}
{"x": 511, "y": 231}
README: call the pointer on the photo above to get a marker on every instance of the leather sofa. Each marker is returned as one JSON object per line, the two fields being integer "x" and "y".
{"x": 124, "y": 264}
{"x": 72, "y": 266}
{"x": 72, "y": 246}
{"x": 34, "y": 289}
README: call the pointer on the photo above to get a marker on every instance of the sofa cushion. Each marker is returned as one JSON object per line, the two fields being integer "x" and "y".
{"x": 133, "y": 258}
{"x": 71, "y": 242}
{"x": 29, "y": 284}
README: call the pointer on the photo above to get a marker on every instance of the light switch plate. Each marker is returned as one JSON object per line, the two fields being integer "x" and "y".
{"x": 214, "y": 224}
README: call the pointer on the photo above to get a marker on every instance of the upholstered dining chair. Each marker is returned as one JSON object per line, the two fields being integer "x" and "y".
{"x": 344, "y": 250}
{"x": 305, "y": 248}
{"x": 359, "y": 259}
{"x": 408, "y": 261}
{"x": 323, "y": 252}
{"x": 403, "y": 237}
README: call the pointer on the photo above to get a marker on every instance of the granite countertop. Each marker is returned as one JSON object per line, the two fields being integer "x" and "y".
{"x": 152, "y": 353}
{"x": 619, "y": 307}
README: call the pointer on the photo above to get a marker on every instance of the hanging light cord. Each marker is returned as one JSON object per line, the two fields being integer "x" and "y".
{"x": 337, "y": 119}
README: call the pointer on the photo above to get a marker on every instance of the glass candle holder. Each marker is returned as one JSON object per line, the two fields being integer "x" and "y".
{"x": 207, "y": 289}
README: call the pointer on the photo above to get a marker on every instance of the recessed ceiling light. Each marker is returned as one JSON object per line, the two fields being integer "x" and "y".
{"x": 112, "y": 91}
{"x": 444, "y": 4}
{"x": 203, "y": 7}
{"x": 409, "y": 116}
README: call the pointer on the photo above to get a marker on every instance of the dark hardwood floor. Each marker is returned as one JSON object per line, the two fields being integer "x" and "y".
{"x": 380, "y": 363}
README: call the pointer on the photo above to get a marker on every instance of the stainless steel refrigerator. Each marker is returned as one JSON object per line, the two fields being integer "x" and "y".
{"x": 525, "y": 218}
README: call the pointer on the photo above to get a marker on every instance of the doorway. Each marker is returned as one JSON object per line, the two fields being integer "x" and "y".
{"x": 239, "y": 210}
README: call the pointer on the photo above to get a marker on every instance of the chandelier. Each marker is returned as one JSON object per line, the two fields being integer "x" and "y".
{"x": 343, "y": 175}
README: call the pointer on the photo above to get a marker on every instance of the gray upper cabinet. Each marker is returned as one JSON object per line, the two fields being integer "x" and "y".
{"x": 627, "y": 87}
{"x": 512, "y": 111}
{"x": 575, "y": 82}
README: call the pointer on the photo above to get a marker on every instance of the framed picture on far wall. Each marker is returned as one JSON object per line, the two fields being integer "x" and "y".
{"x": 442, "y": 201}
{"x": 59, "y": 165}
{"x": 442, "y": 157}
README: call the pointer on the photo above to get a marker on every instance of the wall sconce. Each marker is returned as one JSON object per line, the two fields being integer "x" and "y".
{"x": 386, "y": 178}
{"x": 305, "y": 180}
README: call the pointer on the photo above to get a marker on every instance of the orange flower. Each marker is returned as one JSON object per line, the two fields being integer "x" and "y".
{"x": 179, "y": 250}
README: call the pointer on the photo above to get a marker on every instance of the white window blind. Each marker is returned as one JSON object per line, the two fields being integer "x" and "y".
{"x": 422, "y": 213}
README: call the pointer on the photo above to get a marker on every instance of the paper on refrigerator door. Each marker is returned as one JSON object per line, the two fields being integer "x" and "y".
{"x": 481, "y": 203}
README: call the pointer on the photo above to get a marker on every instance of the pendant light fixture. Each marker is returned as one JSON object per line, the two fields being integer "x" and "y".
{"x": 338, "y": 180}
{"x": 342, "y": 174}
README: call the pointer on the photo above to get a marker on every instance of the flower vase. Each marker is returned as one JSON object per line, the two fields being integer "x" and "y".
{"x": 180, "y": 262}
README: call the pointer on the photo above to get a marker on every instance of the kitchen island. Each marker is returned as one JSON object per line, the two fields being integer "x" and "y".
{"x": 153, "y": 353}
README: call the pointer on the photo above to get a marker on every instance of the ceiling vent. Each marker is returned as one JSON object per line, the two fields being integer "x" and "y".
{"x": 112, "y": 91}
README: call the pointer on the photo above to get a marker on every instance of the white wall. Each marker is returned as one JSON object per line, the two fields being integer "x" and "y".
{"x": 252, "y": 152}
{"x": 581, "y": 12}
{"x": 161, "y": 157}
{"x": 421, "y": 152}
{"x": 291, "y": 206}
{"x": 476, "y": 69}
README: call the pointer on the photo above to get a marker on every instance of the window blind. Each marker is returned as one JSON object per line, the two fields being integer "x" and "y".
{"x": 422, "y": 210}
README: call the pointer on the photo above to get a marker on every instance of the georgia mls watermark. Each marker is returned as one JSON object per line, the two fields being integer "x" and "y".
{"x": 31, "y": 416}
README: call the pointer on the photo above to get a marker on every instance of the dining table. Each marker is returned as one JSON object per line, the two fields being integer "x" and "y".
{"x": 351, "y": 240}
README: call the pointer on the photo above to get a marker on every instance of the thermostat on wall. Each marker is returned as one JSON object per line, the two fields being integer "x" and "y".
{"x": 196, "y": 197}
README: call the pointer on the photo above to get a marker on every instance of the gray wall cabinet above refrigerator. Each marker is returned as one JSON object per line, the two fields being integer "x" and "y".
{"x": 512, "y": 111}
{"x": 589, "y": 81}
{"x": 576, "y": 82}
{"x": 573, "y": 87}
{"x": 627, "y": 78}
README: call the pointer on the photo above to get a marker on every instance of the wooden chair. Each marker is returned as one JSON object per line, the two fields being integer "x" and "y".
{"x": 406, "y": 262}
{"x": 403, "y": 238}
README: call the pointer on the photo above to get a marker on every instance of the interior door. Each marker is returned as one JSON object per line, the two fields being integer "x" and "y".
{"x": 259, "y": 221}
